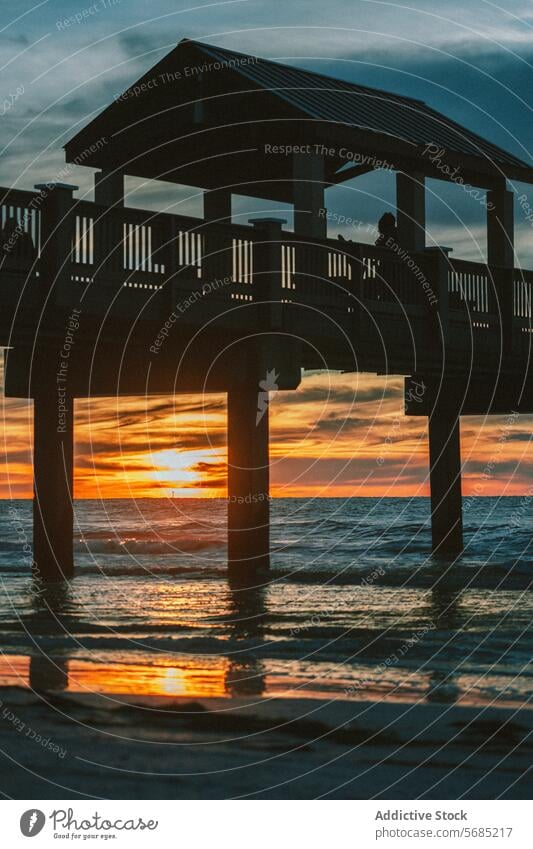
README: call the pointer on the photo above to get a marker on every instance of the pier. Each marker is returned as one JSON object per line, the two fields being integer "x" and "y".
{"x": 98, "y": 299}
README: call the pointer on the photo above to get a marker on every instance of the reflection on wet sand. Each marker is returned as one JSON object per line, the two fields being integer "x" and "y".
{"x": 247, "y": 616}
{"x": 58, "y": 653}
{"x": 446, "y": 616}
{"x": 53, "y": 612}
{"x": 50, "y": 617}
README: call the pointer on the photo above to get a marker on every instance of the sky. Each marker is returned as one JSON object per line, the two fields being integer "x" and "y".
{"x": 338, "y": 435}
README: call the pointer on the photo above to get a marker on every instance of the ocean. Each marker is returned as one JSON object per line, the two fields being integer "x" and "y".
{"x": 356, "y": 606}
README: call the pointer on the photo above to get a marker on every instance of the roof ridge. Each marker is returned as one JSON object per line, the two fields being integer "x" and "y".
{"x": 361, "y": 88}
{"x": 478, "y": 144}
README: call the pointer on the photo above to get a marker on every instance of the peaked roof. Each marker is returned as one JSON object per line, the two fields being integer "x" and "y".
{"x": 156, "y": 134}
{"x": 330, "y": 99}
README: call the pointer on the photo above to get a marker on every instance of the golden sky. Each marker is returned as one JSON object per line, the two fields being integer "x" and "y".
{"x": 337, "y": 435}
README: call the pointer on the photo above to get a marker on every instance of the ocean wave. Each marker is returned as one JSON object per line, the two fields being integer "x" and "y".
{"x": 132, "y": 570}
{"x": 145, "y": 544}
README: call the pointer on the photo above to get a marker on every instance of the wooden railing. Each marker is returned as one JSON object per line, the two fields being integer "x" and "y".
{"x": 334, "y": 270}
{"x": 522, "y": 293}
{"x": 20, "y": 226}
{"x": 138, "y": 249}
{"x": 392, "y": 278}
{"x": 151, "y": 247}
{"x": 471, "y": 286}
{"x": 523, "y": 323}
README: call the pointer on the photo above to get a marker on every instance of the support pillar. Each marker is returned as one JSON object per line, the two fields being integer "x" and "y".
{"x": 109, "y": 188}
{"x": 57, "y": 234}
{"x": 218, "y": 257}
{"x": 108, "y": 229}
{"x": 308, "y": 188}
{"x": 53, "y": 462}
{"x": 217, "y": 206}
{"x": 445, "y": 481}
{"x": 248, "y": 480}
{"x": 268, "y": 264}
{"x": 500, "y": 255}
{"x": 500, "y": 228}
{"x": 411, "y": 210}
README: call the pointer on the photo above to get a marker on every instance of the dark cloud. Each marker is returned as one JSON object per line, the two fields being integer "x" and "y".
{"x": 497, "y": 466}
{"x": 339, "y": 395}
{"x": 204, "y": 467}
{"x": 522, "y": 436}
{"x": 100, "y": 463}
{"x": 208, "y": 483}
{"x": 128, "y": 446}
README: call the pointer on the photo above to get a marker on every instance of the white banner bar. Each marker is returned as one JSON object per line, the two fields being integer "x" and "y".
{"x": 264, "y": 824}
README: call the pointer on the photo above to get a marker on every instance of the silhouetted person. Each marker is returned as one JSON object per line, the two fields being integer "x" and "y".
{"x": 388, "y": 238}
{"x": 16, "y": 245}
{"x": 388, "y": 232}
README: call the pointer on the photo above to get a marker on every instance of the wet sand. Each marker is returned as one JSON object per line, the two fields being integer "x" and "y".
{"x": 72, "y": 745}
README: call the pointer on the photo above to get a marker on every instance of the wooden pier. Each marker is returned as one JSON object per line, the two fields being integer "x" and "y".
{"x": 98, "y": 299}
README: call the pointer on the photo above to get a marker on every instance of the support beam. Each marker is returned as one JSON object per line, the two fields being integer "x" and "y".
{"x": 411, "y": 210}
{"x": 109, "y": 188}
{"x": 344, "y": 174}
{"x": 108, "y": 191}
{"x": 500, "y": 228}
{"x": 218, "y": 255}
{"x": 268, "y": 264}
{"x": 500, "y": 254}
{"x": 445, "y": 481}
{"x": 217, "y": 206}
{"x": 53, "y": 459}
{"x": 248, "y": 481}
{"x": 57, "y": 234}
{"x": 308, "y": 183}
{"x": 48, "y": 673}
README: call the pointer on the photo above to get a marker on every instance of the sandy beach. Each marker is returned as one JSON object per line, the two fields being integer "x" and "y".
{"x": 80, "y": 746}
{"x": 359, "y": 671}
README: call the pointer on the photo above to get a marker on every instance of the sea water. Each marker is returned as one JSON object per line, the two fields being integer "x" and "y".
{"x": 355, "y": 605}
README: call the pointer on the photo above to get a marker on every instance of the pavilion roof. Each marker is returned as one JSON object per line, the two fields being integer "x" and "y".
{"x": 153, "y": 129}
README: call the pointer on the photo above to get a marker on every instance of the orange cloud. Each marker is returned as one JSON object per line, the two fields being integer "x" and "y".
{"x": 337, "y": 435}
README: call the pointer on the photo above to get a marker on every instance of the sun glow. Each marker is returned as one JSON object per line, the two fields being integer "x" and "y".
{"x": 337, "y": 435}
{"x": 177, "y": 472}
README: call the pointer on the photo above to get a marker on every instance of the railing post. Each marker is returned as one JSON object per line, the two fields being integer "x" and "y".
{"x": 57, "y": 236}
{"x": 267, "y": 271}
{"x": 218, "y": 241}
{"x": 109, "y": 188}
